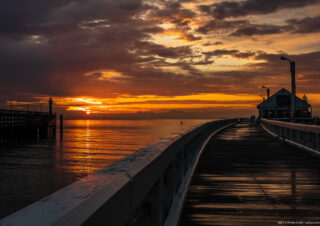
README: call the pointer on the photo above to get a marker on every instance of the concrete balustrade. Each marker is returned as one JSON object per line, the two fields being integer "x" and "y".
{"x": 145, "y": 188}
{"x": 303, "y": 136}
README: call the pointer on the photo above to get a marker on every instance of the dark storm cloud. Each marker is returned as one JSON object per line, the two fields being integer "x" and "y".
{"x": 46, "y": 47}
{"x": 191, "y": 37}
{"x": 95, "y": 75}
{"x": 305, "y": 25}
{"x": 305, "y": 62}
{"x": 149, "y": 48}
{"x": 234, "y": 53}
{"x": 220, "y": 25}
{"x": 153, "y": 30}
{"x": 212, "y": 43}
{"x": 240, "y": 28}
{"x": 228, "y": 9}
{"x": 257, "y": 29}
{"x": 225, "y": 10}
{"x": 256, "y": 74}
{"x": 174, "y": 13}
{"x": 42, "y": 17}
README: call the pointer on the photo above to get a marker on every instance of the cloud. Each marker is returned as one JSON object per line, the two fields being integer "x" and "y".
{"x": 257, "y": 29}
{"x": 182, "y": 18}
{"x": 104, "y": 48}
{"x": 174, "y": 13}
{"x": 305, "y": 25}
{"x": 220, "y": 26}
{"x": 212, "y": 43}
{"x": 149, "y": 48}
{"x": 234, "y": 53}
{"x": 57, "y": 43}
{"x": 238, "y": 28}
{"x": 228, "y": 9}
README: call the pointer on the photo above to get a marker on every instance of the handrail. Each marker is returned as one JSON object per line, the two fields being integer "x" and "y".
{"x": 291, "y": 125}
{"x": 141, "y": 189}
{"x": 303, "y": 136}
{"x": 5, "y": 111}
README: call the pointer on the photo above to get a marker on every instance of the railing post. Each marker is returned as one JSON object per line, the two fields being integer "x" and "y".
{"x": 188, "y": 155}
{"x": 169, "y": 188}
{"x": 318, "y": 141}
{"x": 179, "y": 171}
{"x": 156, "y": 210}
{"x": 301, "y": 135}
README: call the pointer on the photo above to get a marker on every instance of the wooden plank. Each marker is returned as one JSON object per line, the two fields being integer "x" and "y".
{"x": 246, "y": 177}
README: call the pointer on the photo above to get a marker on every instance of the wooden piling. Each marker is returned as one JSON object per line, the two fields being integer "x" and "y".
{"x": 61, "y": 126}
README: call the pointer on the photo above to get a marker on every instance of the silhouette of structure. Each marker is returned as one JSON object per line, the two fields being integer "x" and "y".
{"x": 27, "y": 124}
{"x": 50, "y": 105}
{"x": 293, "y": 87}
{"x": 268, "y": 91}
{"x": 278, "y": 106}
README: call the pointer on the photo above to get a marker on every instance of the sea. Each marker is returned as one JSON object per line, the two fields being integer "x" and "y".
{"x": 31, "y": 171}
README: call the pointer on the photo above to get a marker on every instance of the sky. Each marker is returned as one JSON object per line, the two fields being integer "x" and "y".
{"x": 156, "y": 59}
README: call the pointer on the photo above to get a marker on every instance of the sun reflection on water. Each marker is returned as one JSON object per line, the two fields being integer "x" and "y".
{"x": 89, "y": 145}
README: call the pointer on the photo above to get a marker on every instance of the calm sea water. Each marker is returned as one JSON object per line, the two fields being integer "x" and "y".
{"x": 30, "y": 172}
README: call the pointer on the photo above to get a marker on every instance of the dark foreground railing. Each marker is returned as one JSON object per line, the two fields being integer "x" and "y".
{"x": 303, "y": 136}
{"x": 145, "y": 188}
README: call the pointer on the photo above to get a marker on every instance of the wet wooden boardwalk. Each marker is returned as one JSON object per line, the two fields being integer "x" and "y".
{"x": 246, "y": 177}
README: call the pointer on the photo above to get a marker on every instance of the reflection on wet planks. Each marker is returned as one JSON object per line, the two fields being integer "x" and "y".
{"x": 246, "y": 177}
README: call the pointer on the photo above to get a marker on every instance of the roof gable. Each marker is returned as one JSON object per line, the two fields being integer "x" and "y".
{"x": 271, "y": 102}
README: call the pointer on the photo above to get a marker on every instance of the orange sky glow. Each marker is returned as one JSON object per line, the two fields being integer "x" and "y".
{"x": 159, "y": 57}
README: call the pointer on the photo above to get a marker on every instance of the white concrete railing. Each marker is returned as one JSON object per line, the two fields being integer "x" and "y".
{"x": 303, "y": 136}
{"x": 145, "y": 188}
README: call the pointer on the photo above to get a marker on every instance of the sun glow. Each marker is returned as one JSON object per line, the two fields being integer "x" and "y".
{"x": 125, "y": 103}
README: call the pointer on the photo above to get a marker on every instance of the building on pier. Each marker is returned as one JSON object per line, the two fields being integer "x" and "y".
{"x": 278, "y": 106}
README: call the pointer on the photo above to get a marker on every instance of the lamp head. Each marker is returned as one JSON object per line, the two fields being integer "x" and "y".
{"x": 284, "y": 58}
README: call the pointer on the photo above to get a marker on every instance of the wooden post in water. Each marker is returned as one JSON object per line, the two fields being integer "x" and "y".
{"x": 61, "y": 126}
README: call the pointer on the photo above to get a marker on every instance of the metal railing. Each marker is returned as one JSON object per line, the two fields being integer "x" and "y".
{"x": 145, "y": 188}
{"x": 303, "y": 136}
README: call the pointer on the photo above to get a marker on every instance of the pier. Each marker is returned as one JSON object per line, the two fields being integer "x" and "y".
{"x": 247, "y": 177}
{"x": 26, "y": 124}
{"x": 225, "y": 172}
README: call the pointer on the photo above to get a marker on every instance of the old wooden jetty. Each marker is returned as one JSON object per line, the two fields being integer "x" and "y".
{"x": 27, "y": 124}
{"x": 224, "y": 172}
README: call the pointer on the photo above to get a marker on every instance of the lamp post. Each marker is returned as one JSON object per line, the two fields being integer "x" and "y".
{"x": 293, "y": 87}
{"x": 268, "y": 92}
{"x": 261, "y": 109}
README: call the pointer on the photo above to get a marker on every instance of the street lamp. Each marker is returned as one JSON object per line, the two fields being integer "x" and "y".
{"x": 293, "y": 87}
{"x": 268, "y": 92}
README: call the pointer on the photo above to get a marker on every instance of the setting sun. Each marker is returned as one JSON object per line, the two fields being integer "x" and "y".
{"x": 88, "y": 113}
